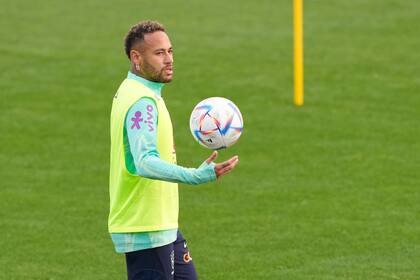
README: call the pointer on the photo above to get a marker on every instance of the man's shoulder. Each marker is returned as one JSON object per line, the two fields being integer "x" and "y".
{"x": 132, "y": 92}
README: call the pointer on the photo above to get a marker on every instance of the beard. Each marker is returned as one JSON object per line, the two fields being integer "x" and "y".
{"x": 155, "y": 75}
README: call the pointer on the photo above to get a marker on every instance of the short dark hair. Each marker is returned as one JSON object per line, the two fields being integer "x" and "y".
{"x": 136, "y": 33}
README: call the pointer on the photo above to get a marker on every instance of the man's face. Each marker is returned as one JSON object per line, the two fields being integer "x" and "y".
{"x": 156, "y": 57}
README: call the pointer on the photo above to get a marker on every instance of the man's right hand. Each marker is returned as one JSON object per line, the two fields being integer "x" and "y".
{"x": 225, "y": 167}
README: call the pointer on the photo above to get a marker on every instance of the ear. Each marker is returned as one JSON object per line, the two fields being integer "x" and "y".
{"x": 135, "y": 57}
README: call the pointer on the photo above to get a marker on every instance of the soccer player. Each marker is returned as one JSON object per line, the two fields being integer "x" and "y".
{"x": 143, "y": 218}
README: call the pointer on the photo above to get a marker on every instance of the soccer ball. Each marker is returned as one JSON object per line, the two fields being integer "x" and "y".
{"x": 216, "y": 123}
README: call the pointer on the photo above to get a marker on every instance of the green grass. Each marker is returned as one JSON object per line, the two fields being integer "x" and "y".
{"x": 325, "y": 191}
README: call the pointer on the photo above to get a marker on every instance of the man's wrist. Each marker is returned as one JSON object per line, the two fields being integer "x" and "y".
{"x": 207, "y": 171}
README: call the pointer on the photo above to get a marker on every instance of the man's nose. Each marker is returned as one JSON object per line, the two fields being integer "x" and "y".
{"x": 168, "y": 58}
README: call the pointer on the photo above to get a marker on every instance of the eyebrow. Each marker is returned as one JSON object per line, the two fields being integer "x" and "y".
{"x": 161, "y": 49}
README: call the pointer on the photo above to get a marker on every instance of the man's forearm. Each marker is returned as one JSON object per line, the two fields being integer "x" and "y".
{"x": 153, "y": 167}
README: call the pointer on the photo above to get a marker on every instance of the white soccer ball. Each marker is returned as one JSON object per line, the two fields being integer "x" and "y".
{"x": 216, "y": 123}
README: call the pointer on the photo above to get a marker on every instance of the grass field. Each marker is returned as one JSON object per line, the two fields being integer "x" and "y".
{"x": 326, "y": 191}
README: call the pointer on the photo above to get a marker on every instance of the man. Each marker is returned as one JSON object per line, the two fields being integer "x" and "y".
{"x": 143, "y": 218}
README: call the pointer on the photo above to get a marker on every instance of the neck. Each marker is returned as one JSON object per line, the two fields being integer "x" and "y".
{"x": 155, "y": 86}
{"x": 137, "y": 73}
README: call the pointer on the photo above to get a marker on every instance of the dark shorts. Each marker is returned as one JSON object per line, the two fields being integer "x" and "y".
{"x": 169, "y": 262}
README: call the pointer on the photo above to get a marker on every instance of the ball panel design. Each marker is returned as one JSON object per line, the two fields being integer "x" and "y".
{"x": 216, "y": 123}
{"x": 212, "y": 140}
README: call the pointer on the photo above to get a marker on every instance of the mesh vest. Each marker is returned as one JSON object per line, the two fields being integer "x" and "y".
{"x": 139, "y": 204}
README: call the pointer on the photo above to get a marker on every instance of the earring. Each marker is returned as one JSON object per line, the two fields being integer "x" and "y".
{"x": 137, "y": 67}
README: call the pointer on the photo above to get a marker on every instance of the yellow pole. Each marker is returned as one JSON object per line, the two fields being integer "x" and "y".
{"x": 298, "y": 51}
